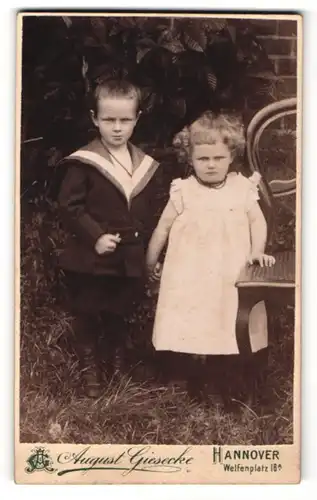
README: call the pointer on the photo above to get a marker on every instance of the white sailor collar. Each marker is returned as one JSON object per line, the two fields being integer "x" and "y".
{"x": 96, "y": 155}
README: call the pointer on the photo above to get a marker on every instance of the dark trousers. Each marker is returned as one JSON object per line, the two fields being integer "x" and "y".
{"x": 99, "y": 304}
{"x": 101, "y": 335}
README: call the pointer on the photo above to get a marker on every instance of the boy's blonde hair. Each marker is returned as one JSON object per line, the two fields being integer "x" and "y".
{"x": 115, "y": 88}
{"x": 210, "y": 128}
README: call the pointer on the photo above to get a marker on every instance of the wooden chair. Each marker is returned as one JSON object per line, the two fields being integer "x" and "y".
{"x": 275, "y": 283}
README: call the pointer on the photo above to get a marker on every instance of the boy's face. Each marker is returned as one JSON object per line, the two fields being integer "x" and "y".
{"x": 115, "y": 119}
{"x": 211, "y": 162}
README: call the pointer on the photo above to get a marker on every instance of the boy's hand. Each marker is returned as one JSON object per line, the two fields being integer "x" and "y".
{"x": 262, "y": 258}
{"x": 107, "y": 243}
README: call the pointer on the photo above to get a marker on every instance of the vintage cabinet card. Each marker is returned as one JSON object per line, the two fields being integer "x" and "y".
{"x": 158, "y": 216}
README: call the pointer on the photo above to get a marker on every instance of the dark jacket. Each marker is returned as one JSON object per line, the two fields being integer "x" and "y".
{"x": 93, "y": 202}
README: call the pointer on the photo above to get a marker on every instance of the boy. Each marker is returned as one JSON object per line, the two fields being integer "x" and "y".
{"x": 109, "y": 206}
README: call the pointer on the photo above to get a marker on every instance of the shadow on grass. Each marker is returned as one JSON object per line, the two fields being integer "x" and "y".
{"x": 135, "y": 408}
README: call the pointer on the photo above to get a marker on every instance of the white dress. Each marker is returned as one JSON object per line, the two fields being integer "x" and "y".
{"x": 208, "y": 245}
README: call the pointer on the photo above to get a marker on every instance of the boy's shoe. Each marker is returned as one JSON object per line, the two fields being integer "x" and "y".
{"x": 112, "y": 363}
{"x": 118, "y": 360}
{"x": 117, "y": 363}
{"x": 90, "y": 373}
{"x": 92, "y": 388}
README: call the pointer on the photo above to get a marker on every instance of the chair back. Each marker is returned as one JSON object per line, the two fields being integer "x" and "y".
{"x": 271, "y": 191}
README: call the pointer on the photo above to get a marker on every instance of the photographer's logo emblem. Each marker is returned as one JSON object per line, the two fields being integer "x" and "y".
{"x": 40, "y": 460}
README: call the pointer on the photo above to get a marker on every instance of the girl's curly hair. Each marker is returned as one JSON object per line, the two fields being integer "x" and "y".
{"x": 210, "y": 128}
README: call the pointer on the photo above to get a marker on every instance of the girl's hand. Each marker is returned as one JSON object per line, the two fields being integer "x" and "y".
{"x": 262, "y": 258}
{"x": 107, "y": 243}
{"x": 156, "y": 273}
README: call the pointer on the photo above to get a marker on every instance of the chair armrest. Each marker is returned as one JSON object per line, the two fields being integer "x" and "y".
{"x": 281, "y": 275}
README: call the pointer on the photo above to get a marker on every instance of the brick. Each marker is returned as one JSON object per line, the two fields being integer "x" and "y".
{"x": 287, "y": 28}
{"x": 287, "y": 87}
{"x": 294, "y": 48}
{"x": 286, "y": 66}
{"x": 265, "y": 27}
{"x": 279, "y": 47}
{"x": 275, "y": 65}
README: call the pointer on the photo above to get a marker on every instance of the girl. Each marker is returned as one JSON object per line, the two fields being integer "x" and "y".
{"x": 215, "y": 226}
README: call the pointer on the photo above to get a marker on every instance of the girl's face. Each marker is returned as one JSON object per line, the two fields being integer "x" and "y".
{"x": 115, "y": 119}
{"x": 211, "y": 162}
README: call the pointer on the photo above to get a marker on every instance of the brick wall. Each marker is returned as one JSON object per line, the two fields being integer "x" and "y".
{"x": 279, "y": 38}
{"x": 280, "y": 41}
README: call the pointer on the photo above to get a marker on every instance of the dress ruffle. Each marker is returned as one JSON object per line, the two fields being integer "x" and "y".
{"x": 253, "y": 193}
{"x": 176, "y": 195}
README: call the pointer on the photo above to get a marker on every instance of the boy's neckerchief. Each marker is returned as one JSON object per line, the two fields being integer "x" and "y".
{"x": 116, "y": 159}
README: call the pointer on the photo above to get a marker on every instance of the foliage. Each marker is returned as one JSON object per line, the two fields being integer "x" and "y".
{"x": 183, "y": 65}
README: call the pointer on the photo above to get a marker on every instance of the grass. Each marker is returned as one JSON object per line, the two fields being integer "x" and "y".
{"x": 136, "y": 408}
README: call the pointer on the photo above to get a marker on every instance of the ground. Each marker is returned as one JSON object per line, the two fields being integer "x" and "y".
{"x": 135, "y": 407}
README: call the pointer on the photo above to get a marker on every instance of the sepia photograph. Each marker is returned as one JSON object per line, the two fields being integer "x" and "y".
{"x": 159, "y": 232}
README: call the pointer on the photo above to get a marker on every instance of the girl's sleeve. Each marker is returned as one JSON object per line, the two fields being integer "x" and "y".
{"x": 253, "y": 191}
{"x": 176, "y": 195}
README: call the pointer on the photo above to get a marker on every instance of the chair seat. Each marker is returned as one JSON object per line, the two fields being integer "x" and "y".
{"x": 281, "y": 275}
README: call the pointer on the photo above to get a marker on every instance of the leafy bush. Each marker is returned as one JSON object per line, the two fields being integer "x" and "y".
{"x": 183, "y": 66}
